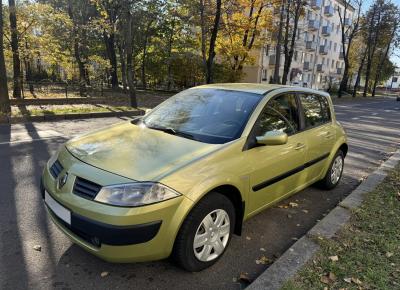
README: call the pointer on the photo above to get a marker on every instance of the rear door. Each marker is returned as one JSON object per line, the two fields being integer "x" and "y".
{"x": 276, "y": 169}
{"x": 317, "y": 126}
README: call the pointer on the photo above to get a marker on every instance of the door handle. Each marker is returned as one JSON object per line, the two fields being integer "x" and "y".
{"x": 299, "y": 146}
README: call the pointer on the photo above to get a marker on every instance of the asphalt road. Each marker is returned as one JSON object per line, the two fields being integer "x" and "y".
{"x": 372, "y": 125}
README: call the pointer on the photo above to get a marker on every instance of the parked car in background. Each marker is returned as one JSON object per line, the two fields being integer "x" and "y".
{"x": 181, "y": 180}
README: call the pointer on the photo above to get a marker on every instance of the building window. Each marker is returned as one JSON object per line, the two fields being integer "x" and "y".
{"x": 333, "y": 63}
{"x": 334, "y": 47}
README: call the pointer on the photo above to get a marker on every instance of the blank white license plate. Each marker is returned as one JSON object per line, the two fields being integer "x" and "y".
{"x": 57, "y": 208}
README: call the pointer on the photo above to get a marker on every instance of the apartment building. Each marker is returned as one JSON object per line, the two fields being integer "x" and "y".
{"x": 318, "y": 58}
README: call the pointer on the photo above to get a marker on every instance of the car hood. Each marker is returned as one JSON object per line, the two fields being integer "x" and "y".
{"x": 137, "y": 152}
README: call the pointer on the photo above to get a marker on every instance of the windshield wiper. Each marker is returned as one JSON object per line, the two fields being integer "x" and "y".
{"x": 172, "y": 131}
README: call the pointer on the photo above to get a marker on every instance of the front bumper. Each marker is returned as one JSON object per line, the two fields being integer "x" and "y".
{"x": 115, "y": 234}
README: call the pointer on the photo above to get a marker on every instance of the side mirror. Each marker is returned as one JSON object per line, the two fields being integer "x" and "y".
{"x": 272, "y": 138}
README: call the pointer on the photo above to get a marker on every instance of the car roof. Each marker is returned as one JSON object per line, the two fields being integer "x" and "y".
{"x": 260, "y": 89}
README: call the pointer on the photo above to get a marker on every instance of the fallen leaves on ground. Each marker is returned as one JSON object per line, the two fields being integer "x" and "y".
{"x": 262, "y": 250}
{"x": 248, "y": 238}
{"x": 389, "y": 254}
{"x": 293, "y": 204}
{"x": 37, "y": 248}
{"x": 263, "y": 261}
{"x": 304, "y": 210}
{"x": 244, "y": 277}
{"x": 328, "y": 278}
{"x": 334, "y": 258}
{"x": 104, "y": 274}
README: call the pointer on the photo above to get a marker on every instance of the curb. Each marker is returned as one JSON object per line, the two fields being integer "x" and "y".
{"x": 45, "y": 118}
{"x": 304, "y": 249}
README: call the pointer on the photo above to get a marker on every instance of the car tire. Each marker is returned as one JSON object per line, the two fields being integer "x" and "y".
{"x": 214, "y": 205}
{"x": 334, "y": 173}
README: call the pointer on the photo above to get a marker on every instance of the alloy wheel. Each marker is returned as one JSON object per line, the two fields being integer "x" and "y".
{"x": 337, "y": 168}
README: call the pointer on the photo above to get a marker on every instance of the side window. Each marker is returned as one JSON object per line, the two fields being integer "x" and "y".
{"x": 280, "y": 114}
{"x": 316, "y": 110}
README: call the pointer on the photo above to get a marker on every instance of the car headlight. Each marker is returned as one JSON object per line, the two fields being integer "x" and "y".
{"x": 135, "y": 194}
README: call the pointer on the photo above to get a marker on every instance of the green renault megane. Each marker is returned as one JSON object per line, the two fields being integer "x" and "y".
{"x": 182, "y": 179}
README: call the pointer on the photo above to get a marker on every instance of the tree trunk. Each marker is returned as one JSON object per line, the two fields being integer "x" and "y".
{"x": 289, "y": 51}
{"x": 83, "y": 76}
{"x": 359, "y": 72}
{"x": 278, "y": 46}
{"x": 4, "y": 98}
{"x": 143, "y": 68}
{"x": 169, "y": 61}
{"x": 109, "y": 41}
{"x": 382, "y": 60}
{"x": 203, "y": 37}
{"x": 15, "y": 50}
{"x": 122, "y": 60}
{"x": 129, "y": 61}
{"x": 213, "y": 39}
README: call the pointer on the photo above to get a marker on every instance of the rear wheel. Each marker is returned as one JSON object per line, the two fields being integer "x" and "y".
{"x": 205, "y": 233}
{"x": 334, "y": 173}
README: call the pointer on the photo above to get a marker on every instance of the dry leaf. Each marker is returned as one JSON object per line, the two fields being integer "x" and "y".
{"x": 332, "y": 276}
{"x": 325, "y": 280}
{"x": 244, "y": 277}
{"x": 104, "y": 274}
{"x": 356, "y": 281}
{"x": 283, "y": 206}
{"x": 347, "y": 280}
{"x": 37, "y": 248}
{"x": 293, "y": 204}
{"x": 262, "y": 250}
{"x": 263, "y": 260}
{"x": 305, "y": 211}
{"x": 389, "y": 254}
{"x": 334, "y": 258}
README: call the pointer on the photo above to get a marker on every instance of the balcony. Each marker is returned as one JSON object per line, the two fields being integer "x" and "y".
{"x": 326, "y": 30}
{"x": 341, "y": 55}
{"x": 329, "y": 10}
{"x": 313, "y": 25}
{"x": 315, "y": 4}
{"x": 347, "y": 22}
{"x": 311, "y": 46}
{"x": 323, "y": 49}
{"x": 320, "y": 68}
{"x": 272, "y": 60}
{"x": 339, "y": 71}
{"x": 307, "y": 66}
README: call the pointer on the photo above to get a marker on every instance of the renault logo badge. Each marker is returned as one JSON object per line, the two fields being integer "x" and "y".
{"x": 62, "y": 180}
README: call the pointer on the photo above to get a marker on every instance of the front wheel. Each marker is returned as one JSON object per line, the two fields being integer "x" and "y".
{"x": 334, "y": 173}
{"x": 205, "y": 233}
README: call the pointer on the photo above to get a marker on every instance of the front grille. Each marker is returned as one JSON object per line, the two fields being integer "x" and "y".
{"x": 56, "y": 169}
{"x": 85, "y": 188}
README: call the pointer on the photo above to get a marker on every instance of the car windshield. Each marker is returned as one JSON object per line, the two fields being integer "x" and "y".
{"x": 206, "y": 115}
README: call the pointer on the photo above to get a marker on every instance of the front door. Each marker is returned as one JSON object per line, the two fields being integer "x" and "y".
{"x": 276, "y": 169}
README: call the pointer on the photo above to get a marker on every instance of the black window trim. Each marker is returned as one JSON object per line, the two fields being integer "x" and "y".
{"x": 249, "y": 142}
{"x": 302, "y": 116}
